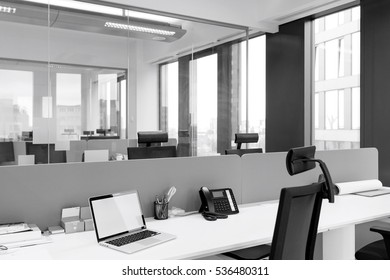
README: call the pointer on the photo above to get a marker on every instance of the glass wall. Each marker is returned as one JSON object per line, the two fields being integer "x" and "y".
{"x": 336, "y": 110}
{"x": 75, "y": 72}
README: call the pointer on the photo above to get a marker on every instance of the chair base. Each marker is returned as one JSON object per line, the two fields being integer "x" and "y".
{"x": 373, "y": 251}
{"x": 253, "y": 253}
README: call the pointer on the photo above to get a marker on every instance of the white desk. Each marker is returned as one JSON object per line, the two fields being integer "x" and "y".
{"x": 198, "y": 238}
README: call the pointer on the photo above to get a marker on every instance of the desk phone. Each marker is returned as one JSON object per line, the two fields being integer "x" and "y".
{"x": 217, "y": 203}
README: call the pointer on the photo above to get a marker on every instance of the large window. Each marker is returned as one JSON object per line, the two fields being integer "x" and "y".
{"x": 337, "y": 80}
{"x": 16, "y": 103}
{"x": 204, "y": 101}
{"x": 220, "y": 95}
{"x": 169, "y": 108}
{"x": 253, "y": 104}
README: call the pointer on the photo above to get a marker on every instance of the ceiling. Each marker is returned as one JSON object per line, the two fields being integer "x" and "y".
{"x": 261, "y": 15}
{"x": 86, "y": 17}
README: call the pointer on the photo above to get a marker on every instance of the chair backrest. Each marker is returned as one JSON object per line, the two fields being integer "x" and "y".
{"x": 241, "y": 138}
{"x": 297, "y": 222}
{"x": 151, "y": 152}
{"x": 148, "y": 138}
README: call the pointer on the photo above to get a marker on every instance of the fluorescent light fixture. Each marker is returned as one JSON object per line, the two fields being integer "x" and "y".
{"x": 152, "y": 17}
{"x": 8, "y": 10}
{"x": 140, "y": 29}
{"x": 103, "y": 9}
{"x": 82, "y": 6}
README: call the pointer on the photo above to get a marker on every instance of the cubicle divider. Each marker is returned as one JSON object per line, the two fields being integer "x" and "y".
{"x": 264, "y": 175}
{"x": 36, "y": 194}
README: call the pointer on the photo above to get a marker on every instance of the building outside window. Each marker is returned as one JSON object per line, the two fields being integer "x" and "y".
{"x": 336, "y": 108}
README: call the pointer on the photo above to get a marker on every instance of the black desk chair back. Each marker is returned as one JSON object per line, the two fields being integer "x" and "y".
{"x": 241, "y": 138}
{"x": 296, "y": 223}
{"x": 148, "y": 150}
{"x": 378, "y": 250}
{"x": 298, "y": 213}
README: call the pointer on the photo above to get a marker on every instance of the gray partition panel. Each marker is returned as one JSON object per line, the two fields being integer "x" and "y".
{"x": 76, "y": 150}
{"x": 264, "y": 175}
{"x": 37, "y": 193}
{"x": 351, "y": 165}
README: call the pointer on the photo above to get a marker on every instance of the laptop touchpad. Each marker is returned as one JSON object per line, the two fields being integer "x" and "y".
{"x": 148, "y": 241}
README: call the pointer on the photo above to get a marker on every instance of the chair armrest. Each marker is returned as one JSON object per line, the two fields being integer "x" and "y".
{"x": 385, "y": 232}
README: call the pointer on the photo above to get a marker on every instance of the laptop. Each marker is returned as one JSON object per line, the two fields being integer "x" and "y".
{"x": 120, "y": 223}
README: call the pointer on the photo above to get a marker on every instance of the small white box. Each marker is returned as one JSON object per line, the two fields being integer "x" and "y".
{"x": 70, "y": 220}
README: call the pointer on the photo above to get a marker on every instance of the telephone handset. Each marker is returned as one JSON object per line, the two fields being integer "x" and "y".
{"x": 217, "y": 203}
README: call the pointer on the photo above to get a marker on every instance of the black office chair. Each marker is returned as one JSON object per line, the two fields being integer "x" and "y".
{"x": 150, "y": 138}
{"x": 298, "y": 213}
{"x": 378, "y": 250}
{"x": 241, "y": 138}
{"x": 148, "y": 150}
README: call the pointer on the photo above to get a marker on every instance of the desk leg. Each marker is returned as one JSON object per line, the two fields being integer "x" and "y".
{"x": 339, "y": 244}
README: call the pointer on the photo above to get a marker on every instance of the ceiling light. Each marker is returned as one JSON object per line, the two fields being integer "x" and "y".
{"x": 8, "y": 10}
{"x": 152, "y": 17}
{"x": 139, "y": 29}
{"x": 82, "y": 6}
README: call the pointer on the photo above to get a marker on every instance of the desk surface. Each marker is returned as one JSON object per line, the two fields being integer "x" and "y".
{"x": 198, "y": 238}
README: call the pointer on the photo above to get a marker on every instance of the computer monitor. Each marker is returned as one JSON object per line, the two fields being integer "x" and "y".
{"x": 40, "y": 151}
{"x": 7, "y": 152}
{"x": 151, "y": 152}
{"x": 27, "y": 135}
{"x": 102, "y": 131}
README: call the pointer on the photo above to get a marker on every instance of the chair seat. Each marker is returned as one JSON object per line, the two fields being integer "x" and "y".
{"x": 253, "y": 253}
{"x": 373, "y": 251}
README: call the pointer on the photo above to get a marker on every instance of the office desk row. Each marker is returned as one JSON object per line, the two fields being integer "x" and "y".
{"x": 198, "y": 238}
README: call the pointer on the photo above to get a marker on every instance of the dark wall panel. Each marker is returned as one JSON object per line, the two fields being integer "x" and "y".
{"x": 285, "y": 87}
{"x": 375, "y": 81}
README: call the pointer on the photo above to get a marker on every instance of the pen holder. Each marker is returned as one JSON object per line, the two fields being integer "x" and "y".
{"x": 160, "y": 211}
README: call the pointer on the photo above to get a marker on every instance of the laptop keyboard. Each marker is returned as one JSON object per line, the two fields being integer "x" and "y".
{"x": 132, "y": 238}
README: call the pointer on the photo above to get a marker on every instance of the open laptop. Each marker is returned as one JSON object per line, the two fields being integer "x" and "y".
{"x": 120, "y": 224}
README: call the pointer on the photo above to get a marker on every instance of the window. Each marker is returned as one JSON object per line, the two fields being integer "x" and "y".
{"x": 336, "y": 103}
{"x": 204, "y": 96}
{"x": 256, "y": 89}
{"x": 16, "y": 103}
{"x": 169, "y": 87}
{"x": 218, "y": 102}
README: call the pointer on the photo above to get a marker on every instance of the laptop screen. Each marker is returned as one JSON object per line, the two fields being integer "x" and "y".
{"x": 117, "y": 213}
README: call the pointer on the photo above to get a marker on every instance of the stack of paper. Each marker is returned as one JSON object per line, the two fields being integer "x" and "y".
{"x": 18, "y": 232}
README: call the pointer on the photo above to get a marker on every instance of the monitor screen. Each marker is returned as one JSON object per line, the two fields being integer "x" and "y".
{"x": 118, "y": 213}
{"x": 7, "y": 152}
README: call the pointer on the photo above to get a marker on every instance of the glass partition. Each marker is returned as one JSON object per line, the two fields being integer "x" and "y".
{"x": 75, "y": 72}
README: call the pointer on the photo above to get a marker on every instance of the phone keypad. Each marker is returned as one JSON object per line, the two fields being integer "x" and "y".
{"x": 222, "y": 205}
